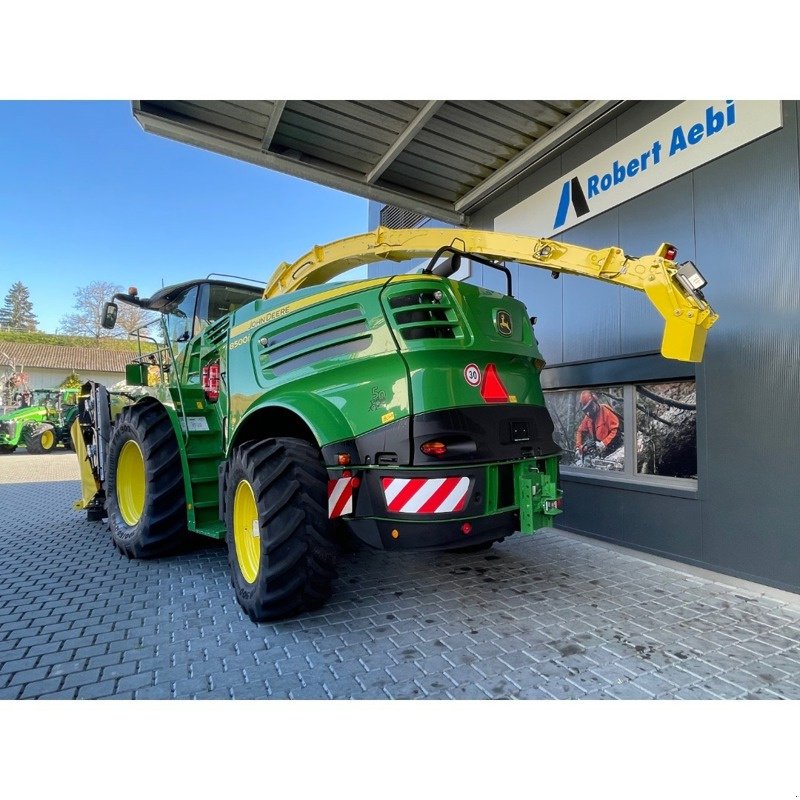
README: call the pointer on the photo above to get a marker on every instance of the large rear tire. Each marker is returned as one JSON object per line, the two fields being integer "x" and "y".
{"x": 40, "y": 438}
{"x": 281, "y": 545}
{"x": 145, "y": 497}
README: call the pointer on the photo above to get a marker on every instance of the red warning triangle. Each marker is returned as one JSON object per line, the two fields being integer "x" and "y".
{"x": 492, "y": 389}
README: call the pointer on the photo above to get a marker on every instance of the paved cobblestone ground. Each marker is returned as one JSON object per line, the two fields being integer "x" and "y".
{"x": 552, "y": 616}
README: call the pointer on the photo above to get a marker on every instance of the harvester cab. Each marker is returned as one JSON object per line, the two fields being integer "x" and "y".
{"x": 407, "y": 409}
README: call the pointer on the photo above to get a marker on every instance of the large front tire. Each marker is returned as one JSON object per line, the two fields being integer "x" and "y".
{"x": 281, "y": 546}
{"x": 145, "y": 497}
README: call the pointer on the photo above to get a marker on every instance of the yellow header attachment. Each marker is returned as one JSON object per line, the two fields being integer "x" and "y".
{"x": 687, "y": 315}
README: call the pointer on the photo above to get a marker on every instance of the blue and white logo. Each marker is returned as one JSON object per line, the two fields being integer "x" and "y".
{"x": 578, "y": 196}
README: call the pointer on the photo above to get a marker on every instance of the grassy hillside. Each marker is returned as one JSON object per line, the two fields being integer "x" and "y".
{"x": 74, "y": 341}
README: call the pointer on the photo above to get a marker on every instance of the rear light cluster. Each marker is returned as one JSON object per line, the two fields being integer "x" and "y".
{"x": 438, "y": 449}
{"x": 210, "y": 382}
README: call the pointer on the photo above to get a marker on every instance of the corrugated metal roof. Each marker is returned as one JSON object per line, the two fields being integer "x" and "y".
{"x": 441, "y": 158}
{"x": 80, "y": 359}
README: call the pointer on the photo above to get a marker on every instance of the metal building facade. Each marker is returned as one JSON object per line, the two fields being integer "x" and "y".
{"x": 738, "y": 218}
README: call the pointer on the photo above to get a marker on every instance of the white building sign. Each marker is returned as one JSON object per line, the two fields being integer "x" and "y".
{"x": 691, "y": 134}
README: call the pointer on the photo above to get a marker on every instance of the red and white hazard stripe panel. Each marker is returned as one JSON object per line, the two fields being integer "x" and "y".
{"x": 340, "y": 497}
{"x": 425, "y": 495}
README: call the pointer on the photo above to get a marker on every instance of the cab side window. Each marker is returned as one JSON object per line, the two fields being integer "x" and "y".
{"x": 180, "y": 317}
{"x": 216, "y": 300}
{"x": 225, "y": 299}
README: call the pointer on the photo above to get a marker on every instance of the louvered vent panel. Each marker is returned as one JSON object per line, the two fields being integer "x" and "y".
{"x": 395, "y": 217}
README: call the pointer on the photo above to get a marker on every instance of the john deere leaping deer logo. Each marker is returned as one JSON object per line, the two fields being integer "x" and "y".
{"x": 503, "y": 323}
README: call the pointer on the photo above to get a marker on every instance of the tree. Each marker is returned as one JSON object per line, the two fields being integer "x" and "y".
{"x": 17, "y": 311}
{"x": 85, "y": 320}
{"x": 72, "y": 381}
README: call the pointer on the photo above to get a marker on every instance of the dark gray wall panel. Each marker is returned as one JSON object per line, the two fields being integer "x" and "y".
{"x": 661, "y": 524}
{"x": 544, "y": 298}
{"x": 592, "y": 309}
{"x": 664, "y": 214}
{"x": 592, "y": 509}
{"x": 748, "y": 241}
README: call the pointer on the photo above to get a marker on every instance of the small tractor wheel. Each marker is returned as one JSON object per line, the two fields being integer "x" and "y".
{"x": 40, "y": 438}
{"x": 7, "y": 448}
{"x": 281, "y": 545}
{"x": 145, "y": 497}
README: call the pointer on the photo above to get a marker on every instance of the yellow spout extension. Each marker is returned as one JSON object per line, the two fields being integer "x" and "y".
{"x": 687, "y": 315}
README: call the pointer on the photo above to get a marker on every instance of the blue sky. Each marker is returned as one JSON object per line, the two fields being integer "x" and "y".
{"x": 86, "y": 195}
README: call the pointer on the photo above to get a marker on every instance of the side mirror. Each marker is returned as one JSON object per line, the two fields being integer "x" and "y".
{"x": 109, "y": 317}
{"x": 448, "y": 267}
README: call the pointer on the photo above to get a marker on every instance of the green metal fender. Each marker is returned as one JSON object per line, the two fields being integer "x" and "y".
{"x": 323, "y": 419}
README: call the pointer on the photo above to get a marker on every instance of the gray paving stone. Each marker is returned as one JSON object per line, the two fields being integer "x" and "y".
{"x": 26, "y": 675}
{"x": 405, "y": 672}
{"x": 83, "y": 678}
{"x": 63, "y": 694}
{"x": 627, "y": 691}
{"x": 468, "y": 692}
{"x": 532, "y": 693}
{"x": 434, "y": 684}
{"x": 561, "y": 689}
{"x": 570, "y": 608}
{"x": 784, "y": 689}
{"x": 162, "y": 691}
{"x": 408, "y": 690}
{"x": 66, "y": 667}
{"x": 37, "y": 688}
{"x": 588, "y": 681}
{"x": 136, "y": 682}
{"x": 94, "y": 691}
{"x": 721, "y": 688}
{"x": 118, "y": 670}
{"x": 654, "y": 684}
{"x": 17, "y": 665}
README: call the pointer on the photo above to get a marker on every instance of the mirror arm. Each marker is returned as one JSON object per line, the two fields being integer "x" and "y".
{"x": 485, "y": 261}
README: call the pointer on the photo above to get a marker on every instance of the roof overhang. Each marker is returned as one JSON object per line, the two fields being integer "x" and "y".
{"x": 441, "y": 158}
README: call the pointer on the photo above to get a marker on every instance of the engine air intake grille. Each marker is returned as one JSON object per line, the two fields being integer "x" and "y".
{"x": 424, "y": 315}
{"x": 338, "y": 334}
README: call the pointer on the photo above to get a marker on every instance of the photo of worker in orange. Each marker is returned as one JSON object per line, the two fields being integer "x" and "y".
{"x": 599, "y": 430}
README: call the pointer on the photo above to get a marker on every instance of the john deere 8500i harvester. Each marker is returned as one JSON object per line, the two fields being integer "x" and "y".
{"x": 407, "y": 409}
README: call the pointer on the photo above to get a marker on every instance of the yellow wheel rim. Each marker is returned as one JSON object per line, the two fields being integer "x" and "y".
{"x": 47, "y": 440}
{"x": 246, "y": 532}
{"x": 131, "y": 482}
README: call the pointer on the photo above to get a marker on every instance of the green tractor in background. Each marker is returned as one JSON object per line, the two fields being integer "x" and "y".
{"x": 43, "y": 424}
